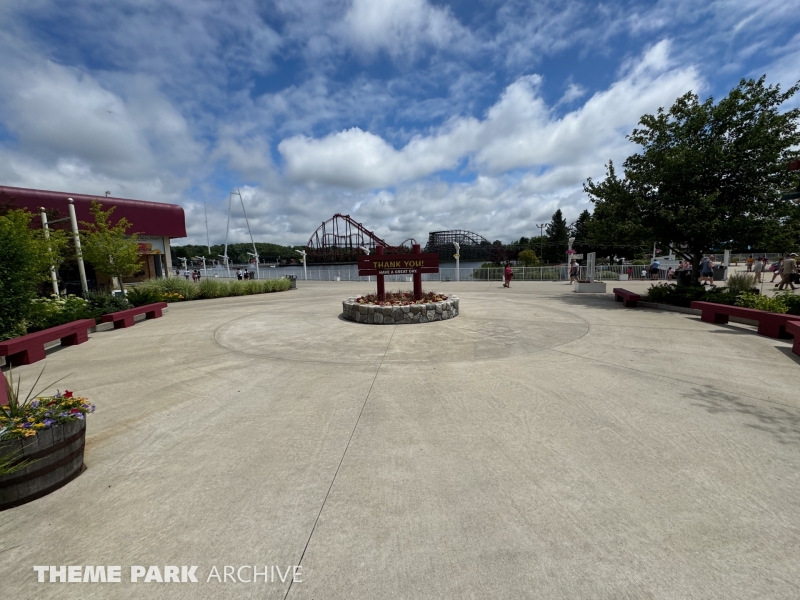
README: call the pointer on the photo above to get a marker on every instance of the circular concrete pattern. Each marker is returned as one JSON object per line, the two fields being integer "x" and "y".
{"x": 493, "y": 331}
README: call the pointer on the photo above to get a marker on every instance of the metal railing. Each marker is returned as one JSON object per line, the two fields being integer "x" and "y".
{"x": 557, "y": 273}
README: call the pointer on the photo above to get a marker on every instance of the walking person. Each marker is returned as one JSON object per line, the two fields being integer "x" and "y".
{"x": 573, "y": 272}
{"x": 707, "y": 270}
{"x": 777, "y": 268}
{"x": 758, "y": 268}
{"x": 788, "y": 270}
{"x": 750, "y": 262}
{"x": 239, "y": 274}
{"x": 198, "y": 275}
{"x": 508, "y": 274}
{"x": 186, "y": 274}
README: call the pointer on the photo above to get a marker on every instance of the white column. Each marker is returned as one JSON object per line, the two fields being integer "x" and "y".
{"x": 77, "y": 237}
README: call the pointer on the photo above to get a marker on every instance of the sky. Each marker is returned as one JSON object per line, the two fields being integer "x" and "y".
{"x": 409, "y": 115}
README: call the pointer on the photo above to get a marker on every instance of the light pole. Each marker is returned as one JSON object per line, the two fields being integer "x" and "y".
{"x": 458, "y": 259}
{"x": 256, "y": 257}
{"x": 203, "y": 258}
{"x": 305, "y": 273}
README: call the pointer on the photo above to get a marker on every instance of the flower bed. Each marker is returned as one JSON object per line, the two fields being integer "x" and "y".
{"x": 401, "y": 299}
{"x": 361, "y": 311}
{"x": 42, "y": 413}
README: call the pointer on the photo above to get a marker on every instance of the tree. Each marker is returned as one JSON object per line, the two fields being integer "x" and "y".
{"x": 25, "y": 260}
{"x": 709, "y": 176}
{"x": 557, "y": 233}
{"x": 580, "y": 231}
{"x": 107, "y": 246}
{"x": 528, "y": 258}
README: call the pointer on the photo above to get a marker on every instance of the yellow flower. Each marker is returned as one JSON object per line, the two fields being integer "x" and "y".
{"x": 29, "y": 433}
{"x": 39, "y": 425}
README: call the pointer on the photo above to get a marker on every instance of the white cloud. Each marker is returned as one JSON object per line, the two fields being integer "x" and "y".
{"x": 519, "y": 131}
{"x": 400, "y": 27}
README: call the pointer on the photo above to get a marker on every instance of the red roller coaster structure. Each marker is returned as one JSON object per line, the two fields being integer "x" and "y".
{"x": 340, "y": 239}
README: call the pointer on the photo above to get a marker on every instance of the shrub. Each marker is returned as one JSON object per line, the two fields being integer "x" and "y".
{"x": 140, "y": 295}
{"x": 791, "y": 301}
{"x": 750, "y": 300}
{"x": 211, "y": 288}
{"x": 44, "y": 313}
{"x": 741, "y": 282}
{"x": 25, "y": 259}
{"x": 104, "y": 304}
{"x": 236, "y": 288}
{"x": 675, "y": 295}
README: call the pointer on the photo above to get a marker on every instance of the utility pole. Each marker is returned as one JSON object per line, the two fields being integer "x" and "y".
{"x": 541, "y": 239}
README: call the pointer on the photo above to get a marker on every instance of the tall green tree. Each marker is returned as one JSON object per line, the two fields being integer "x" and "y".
{"x": 557, "y": 232}
{"x": 108, "y": 247}
{"x": 709, "y": 175}
{"x": 25, "y": 260}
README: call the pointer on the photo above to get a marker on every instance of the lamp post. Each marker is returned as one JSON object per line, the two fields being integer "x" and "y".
{"x": 458, "y": 260}
{"x": 305, "y": 272}
{"x": 77, "y": 238}
{"x": 203, "y": 258}
{"x": 256, "y": 257}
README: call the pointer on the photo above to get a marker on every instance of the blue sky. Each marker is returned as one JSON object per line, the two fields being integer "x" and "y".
{"x": 409, "y": 115}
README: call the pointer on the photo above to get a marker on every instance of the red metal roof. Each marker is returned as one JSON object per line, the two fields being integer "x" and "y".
{"x": 147, "y": 218}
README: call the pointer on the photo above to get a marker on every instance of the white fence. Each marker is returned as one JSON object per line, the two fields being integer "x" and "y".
{"x": 559, "y": 273}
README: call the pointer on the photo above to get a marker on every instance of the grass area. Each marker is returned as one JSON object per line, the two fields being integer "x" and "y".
{"x": 177, "y": 289}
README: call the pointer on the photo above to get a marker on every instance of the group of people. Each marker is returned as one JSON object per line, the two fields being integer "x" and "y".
{"x": 240, "y": 275}
{"x": 195, "y": 275}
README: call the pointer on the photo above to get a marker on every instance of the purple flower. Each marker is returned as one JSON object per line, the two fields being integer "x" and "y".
{"x": 79, "y": 416}
{"x": 35, "y": 404}
{"x": 26, "y": 425}
{"x": 49, "y": 422}
{"x": 93, "y": 407}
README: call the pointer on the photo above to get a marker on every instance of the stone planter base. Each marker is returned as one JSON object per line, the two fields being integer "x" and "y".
{"x": 56, "y": 457}
{"x": 400, "y": 315}
{"x": 590, "y": 288}
{"x": 623, "y": 277}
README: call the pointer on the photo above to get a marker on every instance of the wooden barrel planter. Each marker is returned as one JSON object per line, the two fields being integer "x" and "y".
{"x": 56, "y": 458}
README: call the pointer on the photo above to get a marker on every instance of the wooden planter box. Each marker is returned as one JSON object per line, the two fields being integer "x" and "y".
{"x": 57, "y": 459}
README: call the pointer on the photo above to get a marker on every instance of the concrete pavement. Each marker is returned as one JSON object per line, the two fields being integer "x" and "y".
{"x": 543, "y": 444}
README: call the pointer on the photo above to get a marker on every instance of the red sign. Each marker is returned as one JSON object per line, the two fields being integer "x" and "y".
{"x": 398, "y": 264}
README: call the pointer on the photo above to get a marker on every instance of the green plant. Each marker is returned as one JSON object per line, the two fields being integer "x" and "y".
{"x": 759, "y": 302}
{"x": 741, "y": 282}
{"x": 792, "y": 302}
{"x": 44, "y": 313}
{"x": 25, "y": 260}
{"x": 107, "y": 246}
{"x": 104, "y": 304}
{"x": 211, "y": 288}
{"x": 141, "y": 295}
{"x": 24, "y": 418}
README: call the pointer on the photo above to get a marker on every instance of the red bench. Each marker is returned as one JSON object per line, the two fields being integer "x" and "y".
{"x": 29, "y": 349}
{"x": 125, "y": 318}
{"x": 769, "y": 324}
{"x": 793, "y": 328}
{"x": 628, "y": 299}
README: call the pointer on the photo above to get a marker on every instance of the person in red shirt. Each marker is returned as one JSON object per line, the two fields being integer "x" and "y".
{"x": 508, "y": 274}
